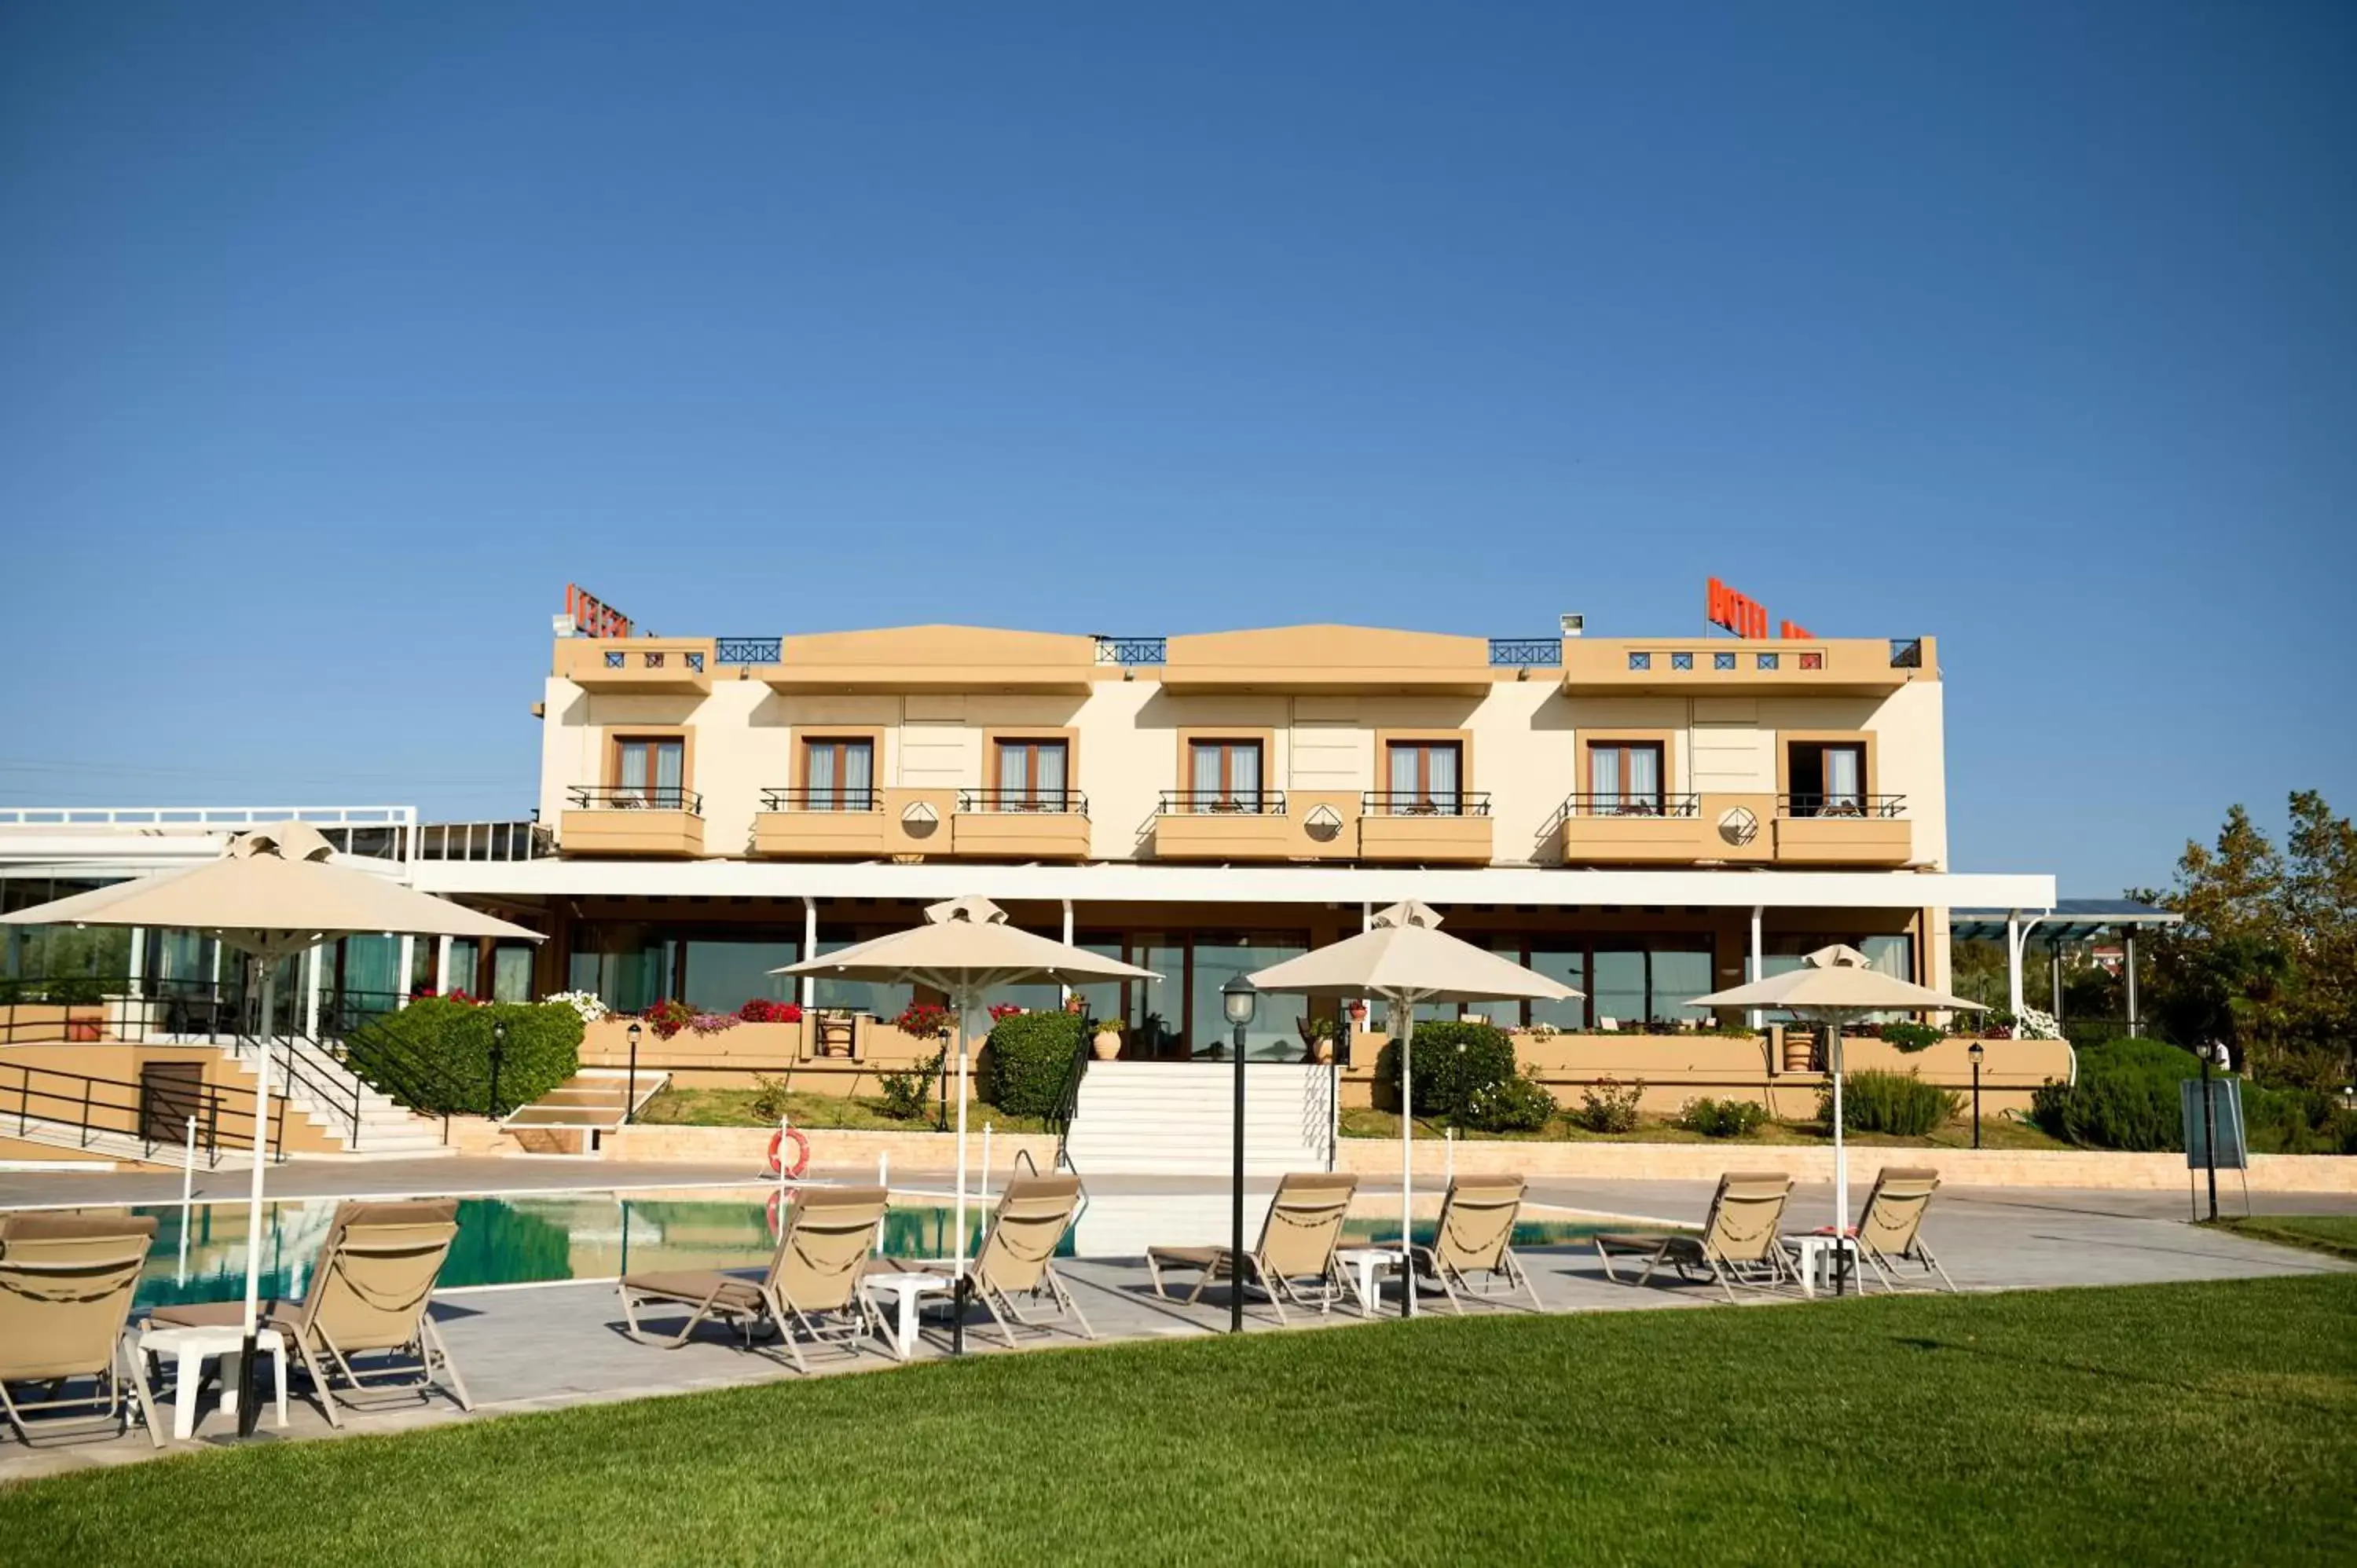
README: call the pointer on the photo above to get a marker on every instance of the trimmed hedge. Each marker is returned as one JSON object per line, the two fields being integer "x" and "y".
{"x": 1452, "y": 1061}
{"x": 434, "y": 1055}
{"x": 1028, "y": 1059}
{"x": 2127, "y": 1097}
{"x": 1899, "y": 1103}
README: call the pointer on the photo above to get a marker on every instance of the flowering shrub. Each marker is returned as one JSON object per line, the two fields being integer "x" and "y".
{"x": 589, "y": 1003}
{"x": 712, "y": 1023}
{"x": 924, "y": 1020}
{"x": 761, "y": 1010}
{"x": 1608, "y": 1106}
{"x": 1513, "y": 1104}
{"x": 1722, "y": 1118}
{"x": 428, "y": 993}
{"x": 1002, "y": 1010}
{"x": 668, "y": 1017}
{"x": 2030, "y": 1024}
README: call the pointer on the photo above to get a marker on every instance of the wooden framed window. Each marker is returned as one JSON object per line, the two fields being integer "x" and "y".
{"x": 1224, "y": 775}
{"x": 1424, "y": 777}
{"x": 1031, "y": 775}
{"x": 839, "y": 773}
{"x": 651, "y": 771}
{"x": 1827, "y": 778}
{"x": 1624, "y": 777}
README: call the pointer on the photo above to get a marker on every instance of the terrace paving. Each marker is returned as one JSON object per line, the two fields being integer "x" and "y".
{"x": 533, "y": 1348}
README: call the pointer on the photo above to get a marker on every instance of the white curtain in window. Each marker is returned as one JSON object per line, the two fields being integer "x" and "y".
{"x": 1014, "y": 773}
{"x": 1604, "y": 778}
{"x": 1443, "y": 777}
{"x": 1204, "y": 777}
{"x": 821, "y": 778}
{"x": 1843, "y": 785}
{"x": 1644, "y": 774}
{"x": 1052, "y": 775}
{"x": 1244, "y": 771}
{"x": 1403, "y": 779}
{"x": 634, "y": 769}
{"x": 858, "y": 775}
{"x": 670, "y": 759}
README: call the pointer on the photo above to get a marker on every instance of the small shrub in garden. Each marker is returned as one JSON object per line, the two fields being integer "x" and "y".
{"x": 1723, "y": 1118}
{"x": 1912, "y": 1037}
{"x": 1511, "y": 1105}
{"x": 1451, "y": 1061}
{"x": 1607, "y": 1106}
{"x": 769, "y": 1097}
{"x": 1029, "y": 1055}
{"x": 2126, "y": 1097}
{"x": 907, "y": 1095}
{"x": 1899, "y": 1103}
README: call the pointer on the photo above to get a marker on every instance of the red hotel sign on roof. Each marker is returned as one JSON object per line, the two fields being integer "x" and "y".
{"x": 592, "y": 619}
{"x": 1743, "y": 615}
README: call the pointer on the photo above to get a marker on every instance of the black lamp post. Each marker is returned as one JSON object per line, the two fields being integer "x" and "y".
{"x": 630, "y": 1095}
{"x": 498, "y": 1050}
{"x": 1239, "y": 999}
{"x": 1976, "y": 1053}
{"x": 2210, "y": 1119}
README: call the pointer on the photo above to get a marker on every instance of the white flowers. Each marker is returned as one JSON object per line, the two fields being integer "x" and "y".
{"x": 2030, "y": 1023}
{"x": 587, "y": 1003}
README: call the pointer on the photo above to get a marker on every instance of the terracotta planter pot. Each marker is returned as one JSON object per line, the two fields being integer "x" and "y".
{"x": 1321, "y": 1051}
{"x": 1105, "y": 1046}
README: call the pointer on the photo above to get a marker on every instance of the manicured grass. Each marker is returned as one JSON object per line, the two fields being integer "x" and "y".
{"x": 733, "y": 1108}
{"x": 1997, "y": 1132}
{"x": 2332, "y": 1233}
{"x": 2172, "y": 1423}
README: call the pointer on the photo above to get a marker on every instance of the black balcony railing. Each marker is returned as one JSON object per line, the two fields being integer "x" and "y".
{"x": 1525, "y": 652}
{"x": 633, "y": 797}
{"x": 1629, "y": 804}
{"x": 1427, "y": 803}
{"x": 837, "y": 800}
{"x": 1133, "y": 650}
{"x": 745, "y": 649}
{"x": 1222, "y": 803}
{"x": 1052, "y": 803}
{"x": 1906, "y": 653}
{"x": 1840, "y": 804}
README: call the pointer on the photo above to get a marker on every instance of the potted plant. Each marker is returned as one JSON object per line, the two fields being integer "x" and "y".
{"x": 1105, "y": 1039}
{"x": 1358, "y": 1013}
{"x": 1318, "y": 1036}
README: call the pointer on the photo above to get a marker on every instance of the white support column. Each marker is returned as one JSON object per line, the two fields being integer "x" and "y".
{"x": 2013, "y": 940}
{"x": 1064, "y": 991}
{"x": 139, "y": 970}
{"x": 441, "y": 966}
{"x": 1751, "y": 973}
{"x": 810, "y": 950}
{"x": 408, "y": 960}
{"x": 2127, "y": 972}
{"x": 311, "y": 967}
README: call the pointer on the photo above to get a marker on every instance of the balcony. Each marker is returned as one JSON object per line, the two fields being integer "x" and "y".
{"x": 1205, "y": 824}
{"x": 616, "y": 819}
{"x": 1623, "y": 829}
{"x": 1853, "y": 830}
{"x": 1853, "y": 667}
{"x": 820, "y": 824}
{"x": 638, "y": 666}
{"x": 1426, "y": 830}
{"x": 1001, "y": 824}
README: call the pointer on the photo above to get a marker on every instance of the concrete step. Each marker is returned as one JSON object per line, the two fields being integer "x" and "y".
{"x": 1178, "y": 1118}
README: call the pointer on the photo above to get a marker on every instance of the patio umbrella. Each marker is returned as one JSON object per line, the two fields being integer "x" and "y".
{"x": 965, "y": 948}
{"x": 272, "y": 895}
{"x": 1833, "y": 986}
{"x": 1404, "y": 958}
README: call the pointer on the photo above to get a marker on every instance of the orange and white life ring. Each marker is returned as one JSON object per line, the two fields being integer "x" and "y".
{"x": 778, "y": 1140}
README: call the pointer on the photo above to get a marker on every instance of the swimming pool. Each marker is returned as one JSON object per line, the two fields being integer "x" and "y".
{"x": 528, "y": 1239}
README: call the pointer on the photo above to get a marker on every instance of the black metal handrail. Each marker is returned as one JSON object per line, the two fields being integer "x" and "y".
{"x": 842, "y": 799}
{"x": 408, "y": 1077}
{"x": 1424, "y": 803}
{"x": 1133, "y": 650}
{"x": 87, "y": 1104}
{"x": 1525, "y": 652}
{"x": 1838, "y": 803}
{"x": 1222, "y": 803}
{"x": 1059, "y": 1119}
{"x": 1625, "y": 804}
{"x": 1052, "y": 803}
{"x": 745, "y": 649}
{"x": 633, "y": 797}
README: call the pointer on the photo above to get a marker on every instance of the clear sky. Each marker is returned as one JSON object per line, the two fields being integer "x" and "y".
{"x": 337, "y": 339}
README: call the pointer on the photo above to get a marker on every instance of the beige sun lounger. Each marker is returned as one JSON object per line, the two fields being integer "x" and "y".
{"x": 1296, "y": 1247}
{"x": 1737, "y": 1244}
{"x": 1890, "y": 1227}
{"x": 370, "y": 1297}
{"x": 811, "y": 1286}
{"x": 66, "y": 1284}
{"x": 1475, "y": 1236}
{"x": 1018, "y": 1254}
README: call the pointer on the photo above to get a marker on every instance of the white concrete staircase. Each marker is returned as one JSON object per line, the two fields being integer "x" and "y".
{"x": 325, "y": 1091}
{"x": 1176, "y": 1118}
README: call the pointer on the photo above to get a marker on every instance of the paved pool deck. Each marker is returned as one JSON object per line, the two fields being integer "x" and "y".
{"x": 536, "y": 1348}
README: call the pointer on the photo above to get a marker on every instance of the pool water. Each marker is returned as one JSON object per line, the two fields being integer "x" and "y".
{"x": 530, "y": 1239}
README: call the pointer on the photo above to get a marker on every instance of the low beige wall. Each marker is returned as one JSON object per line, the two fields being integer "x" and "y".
{"x": 829, "y": 1147}
{"x": 729, "y": 1058}
{"x": 119, "y": 1063}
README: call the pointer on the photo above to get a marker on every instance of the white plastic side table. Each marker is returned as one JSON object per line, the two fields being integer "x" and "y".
{"x": 910, "y": 1289}
{"x": 190, "y": 1348}
{"x": 1817, "y": 1257}
{"x": 1363, "y": 1264}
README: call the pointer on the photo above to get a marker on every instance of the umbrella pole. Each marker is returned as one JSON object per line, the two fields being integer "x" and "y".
{"x": 249, "y": 1406}
{"x": 1841, "y": 1163}
{"x": 969, "y": 1005}
{"x": 1406, "y": 1012}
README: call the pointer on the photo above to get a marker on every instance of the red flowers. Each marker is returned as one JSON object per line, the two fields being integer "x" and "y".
{"x": 761, "y": 1010}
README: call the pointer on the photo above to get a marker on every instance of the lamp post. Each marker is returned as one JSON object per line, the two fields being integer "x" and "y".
{"x": 630, "y": 1094}
{"x": 1239, "y": 999}
{"x": 2210, "y": 1119}
{"x": 1976, "y": 1053}
{"x": 498, "y": 1050}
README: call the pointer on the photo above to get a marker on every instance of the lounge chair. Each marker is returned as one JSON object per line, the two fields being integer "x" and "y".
{"x": 1737, "y": 1243}
{"x": 1890, "y": 1227}
{"x": 1297, "y": 1246}
{"x": 66, "y": 1284}
{"x": 811, "y": 1286}
{"x": 1475, "y": 1236}
{"x": 1019, "y": 1253}
{"x": 369, "y": 1296}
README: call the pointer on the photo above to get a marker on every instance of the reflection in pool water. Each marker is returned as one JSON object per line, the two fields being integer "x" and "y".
{"x": 526, "y": 1239}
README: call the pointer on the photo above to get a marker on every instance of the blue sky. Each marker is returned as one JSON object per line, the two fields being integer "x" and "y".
{"x": 340, "y": 338}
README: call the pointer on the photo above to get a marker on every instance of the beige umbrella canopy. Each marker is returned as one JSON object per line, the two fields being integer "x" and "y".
{"x": 1833, "y": 986}
{"x": 272, "y": 895}
{"x": 965, "y": 949}
{"x": 1404, "y": 958}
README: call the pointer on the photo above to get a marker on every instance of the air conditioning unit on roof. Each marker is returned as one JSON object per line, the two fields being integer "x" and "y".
{"x": 1573, "y": 625}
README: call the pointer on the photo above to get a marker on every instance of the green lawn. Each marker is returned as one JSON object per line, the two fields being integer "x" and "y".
{"x": 733, "y": 1108}
{"x": 2172, "y": 1423}
{"x": 2333, "y": 1233}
